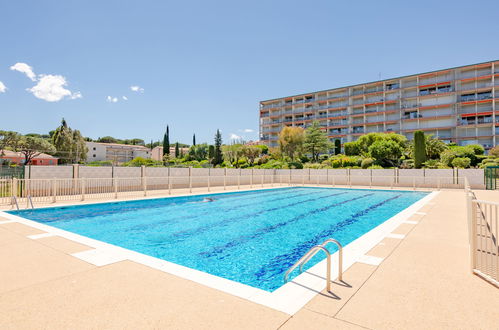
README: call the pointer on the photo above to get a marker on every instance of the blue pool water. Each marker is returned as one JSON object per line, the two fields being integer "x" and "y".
{"x": 249, "y": 237}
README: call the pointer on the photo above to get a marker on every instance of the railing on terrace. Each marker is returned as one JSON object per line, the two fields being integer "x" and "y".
{"x": 483, "y": 236}
{"x": 44, "y": 191}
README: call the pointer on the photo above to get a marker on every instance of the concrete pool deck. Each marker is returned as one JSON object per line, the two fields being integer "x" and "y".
{"x": 419, "y": 277}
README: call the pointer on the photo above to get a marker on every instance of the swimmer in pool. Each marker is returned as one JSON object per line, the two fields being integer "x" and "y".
{"x": 208, "y": 199}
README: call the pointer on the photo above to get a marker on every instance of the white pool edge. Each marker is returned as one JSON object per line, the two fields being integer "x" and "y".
{"x": 289, "y": 298}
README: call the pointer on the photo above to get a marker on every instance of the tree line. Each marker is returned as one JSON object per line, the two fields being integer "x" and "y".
{"x": 65, "y": 143}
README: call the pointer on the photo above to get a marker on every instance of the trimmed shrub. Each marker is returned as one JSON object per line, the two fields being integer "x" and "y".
{"x": 367, "y": 162}
{"x": 294, "y": 165}
{"x": 461, "y": 162}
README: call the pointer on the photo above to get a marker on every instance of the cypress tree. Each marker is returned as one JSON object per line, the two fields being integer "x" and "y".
{"x": 194, "y": 139}
{"x": 419, "y": 149}
{"x": 166, "y": 142}
{"x": 337, "y": 147}
{"x": 177, "y": 150}
{"x": 218, "y": 148}
{"x": 211, "y": 153}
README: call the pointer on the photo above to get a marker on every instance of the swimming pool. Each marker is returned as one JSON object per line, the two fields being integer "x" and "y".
{"x": 250, "y": 237}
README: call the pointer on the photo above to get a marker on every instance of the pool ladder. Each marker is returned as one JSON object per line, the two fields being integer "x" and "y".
{"x": 312, "y": 252}
{"x": 30, "y": 201}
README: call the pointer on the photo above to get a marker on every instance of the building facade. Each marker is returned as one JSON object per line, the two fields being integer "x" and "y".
{"x": 157, "y": 152}
{"x": 117, "y": 153}
{"x": 456, "y": 105}
{"x": 8, "y": 156}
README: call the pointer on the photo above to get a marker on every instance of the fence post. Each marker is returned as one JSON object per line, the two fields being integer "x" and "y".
{"x": 14, "y": 190}
{"x": 471, "y": 209}
{"x": 225, "y": 178}
{"x": 414, "y": 182}
{"x": 263, "y": 178}
{"x": 169, "y": 183}
{"x": 115, "y": 185}
{"x": 82, "y": 182}
{"x": 251, "y": 179}
{"x": 27, "y": 186}
{"x": 54, "y": 190}
{"x": 144, "y": 185}
{"x": 190, "y": 180}
{"x": 208, "y": 179}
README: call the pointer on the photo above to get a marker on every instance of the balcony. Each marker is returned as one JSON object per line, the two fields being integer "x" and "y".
{"x": 337, "y": 114}
{"x": 272, "y": 105}
{"x": 476, "y": 97}
{"x": 392, "y": 86}
{"x": 338, "y": 123}
{"x": 472, "y": 121}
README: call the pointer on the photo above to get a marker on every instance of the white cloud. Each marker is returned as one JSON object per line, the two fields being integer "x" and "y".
{"x": 24, "y": 68}
{"x": 51, "y": 88}
{"x": 234, "y": 137}
{"x": 137, "y": 89}
{"x": 248, "y": 130}
{"x": 112, "y": 99}
{"x": 3, "y": 88}
{"x": 48, "y": 87}
{"x": 124, "y": 98}
{"x": 76, "y": 95}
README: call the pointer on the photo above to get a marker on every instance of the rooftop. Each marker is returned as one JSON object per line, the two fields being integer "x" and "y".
{"x": 10, "y": 153}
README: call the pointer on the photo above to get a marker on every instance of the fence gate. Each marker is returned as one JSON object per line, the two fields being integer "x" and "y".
{"x": 491, "y": 176}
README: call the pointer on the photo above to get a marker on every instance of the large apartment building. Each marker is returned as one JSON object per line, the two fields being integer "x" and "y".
{"x": 456, "y": 105}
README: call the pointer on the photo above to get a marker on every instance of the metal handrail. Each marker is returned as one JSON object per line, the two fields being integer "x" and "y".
{"x": 14, "y": 198}
{"x": 313, "y": 250}
{"x": 31, "y": 202}
{"x": 340, "y": 255}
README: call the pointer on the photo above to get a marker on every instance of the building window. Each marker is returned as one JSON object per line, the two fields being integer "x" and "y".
{"x": 50, "y": 162}
{"x": 94, "y": 155}
{"x": 41, "y": 161}
{"x": 94, "y": 148}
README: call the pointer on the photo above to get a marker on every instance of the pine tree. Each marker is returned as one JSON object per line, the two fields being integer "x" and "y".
{"x": 166, "y": 142}
{"x": 337, "y": 147}
{"x": 419, "y": 149}
{"x": 217, "y": 159}
{"x": 177, "y": 151}
{"x": 62, "y": 139}
{"x": 316, "y": 141}
{"x": 194, "y": 139}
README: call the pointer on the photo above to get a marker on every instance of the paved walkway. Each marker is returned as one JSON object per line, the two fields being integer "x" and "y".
{"x": 423, "y": 281}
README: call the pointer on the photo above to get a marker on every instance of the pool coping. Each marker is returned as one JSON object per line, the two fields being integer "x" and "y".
{"x": 289, "y": 298}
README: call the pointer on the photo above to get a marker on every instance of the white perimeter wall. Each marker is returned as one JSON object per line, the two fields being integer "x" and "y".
{"x": 257, "y": 176}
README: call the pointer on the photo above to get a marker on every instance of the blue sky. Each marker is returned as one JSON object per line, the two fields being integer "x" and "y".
{"x": 205, "y": 65}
